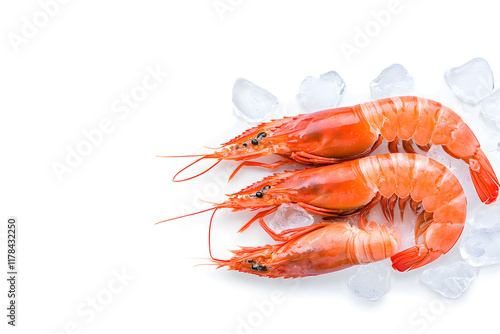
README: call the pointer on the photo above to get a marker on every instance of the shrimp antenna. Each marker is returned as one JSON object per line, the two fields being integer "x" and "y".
{"x": 213, "y": 148}
{"x": 209, "y": 239}
{"x": 181, "y": 156}
{"x": 208, "y": 202}
{"x": 189, "y": 214}
{"x": 192, "y": 177}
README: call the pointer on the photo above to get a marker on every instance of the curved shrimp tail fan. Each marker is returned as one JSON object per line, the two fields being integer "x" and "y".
{"x": 413, "y": 258}
{"x": 484, "y": 178}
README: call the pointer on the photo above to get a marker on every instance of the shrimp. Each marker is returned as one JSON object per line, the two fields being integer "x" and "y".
{"x": 432, "y": 191}
{"x": 316, "y": 249}
{"x": 347, "y": 133}
{"x": 354, "y": 187}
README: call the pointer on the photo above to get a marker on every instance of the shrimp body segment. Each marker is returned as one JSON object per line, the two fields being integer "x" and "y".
{"x": 327, "y": 248}
{"x": 397, "y": 179}
{"x": 347, "y": 133}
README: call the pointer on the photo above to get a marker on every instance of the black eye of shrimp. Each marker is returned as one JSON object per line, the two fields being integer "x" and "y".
{"x": 258, "y": 267}
{"x": 255, "y": 142}
{"x": 245, "y": 144}
{"x": 259, "y": 194}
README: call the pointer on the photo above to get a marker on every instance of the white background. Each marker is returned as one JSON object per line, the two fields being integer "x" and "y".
{"x": 75, "y": 233}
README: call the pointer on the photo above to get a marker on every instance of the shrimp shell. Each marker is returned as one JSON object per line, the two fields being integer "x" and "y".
{"x": 433, "y": 192}
{"x": 347, "y": 133}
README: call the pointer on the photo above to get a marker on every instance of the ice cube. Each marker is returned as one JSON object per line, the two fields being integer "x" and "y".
{"x": 371, "y": 281}
{"x": 486, "y": 216}
{"x": 470, "y": 82}
{"x": 481, "y": 246}
{"x": 290, "y": 216}
{"x": 323, "y": 93}
{"x": 406, "y": 231}
{"x": 459, "y": 168}
{"x": 451, "y": 280}
{"x": 490, "y": 110}
{"x": 437, "y": 153}
{"x": 252, "y": 103}
{"x": 392, "y": 81}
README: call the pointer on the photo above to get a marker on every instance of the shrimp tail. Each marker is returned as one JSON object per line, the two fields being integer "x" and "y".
{"x": 483, "y": 177}
{"x": 414, "y": 257}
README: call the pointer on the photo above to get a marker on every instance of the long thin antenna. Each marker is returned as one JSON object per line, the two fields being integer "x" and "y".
{"x": 209, "y": 239}
{"x": 192, "y": 177}
{"x": 181, "y": 156}
{"x": 189, "y": 214}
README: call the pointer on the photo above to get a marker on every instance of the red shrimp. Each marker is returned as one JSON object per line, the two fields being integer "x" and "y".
{"x": 433, "y": 192}
{"x": 316, "y": 249}
{"x": 347, "y": 133}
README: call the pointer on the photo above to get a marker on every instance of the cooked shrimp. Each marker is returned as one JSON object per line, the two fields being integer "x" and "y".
{"x": 433, "y": 192}
{"x": 341, "y": 134}
{"x": 316, "y": 249}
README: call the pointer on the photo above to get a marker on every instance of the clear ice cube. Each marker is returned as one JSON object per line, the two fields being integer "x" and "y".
{"x": 323, "y": 93}
{"x": 437, "y": 153}
{"x": 490, "y": 110}
{"x": 371, "y": 281}
{"x": 470, "y": 82}
{"x": 392, "y": 81}
{"x": 406, "y": 232}
{"x": 459, "y": 168}
{"x": 290, "y": 216}
{"x": 481, "y": 246}
{"x": 252, "y": 103}
{"x": 451, "y": 280}
{"x": 486, "y": 215}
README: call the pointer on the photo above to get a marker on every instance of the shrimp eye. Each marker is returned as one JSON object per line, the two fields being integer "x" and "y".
{"x": 255, "y": 142}
{"x": 259, "y": 267}
{"x": 245, "y": 144}
{"x": 237, "y": 146}
{"x": 261, "y": 135}
{"x": 259, "y": 194}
